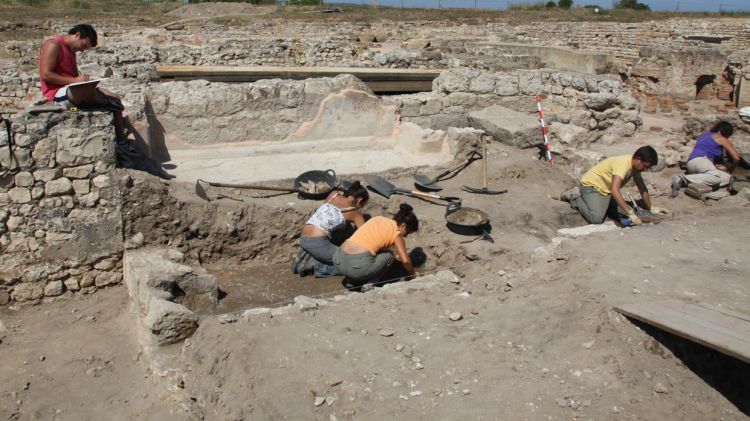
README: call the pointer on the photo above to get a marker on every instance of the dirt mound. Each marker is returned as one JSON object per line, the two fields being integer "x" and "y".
{"x": 207, "y": 10}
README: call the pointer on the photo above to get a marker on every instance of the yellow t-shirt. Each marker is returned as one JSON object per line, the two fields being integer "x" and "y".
{"x": 379, "y": 233}
{"x": 600, "y": 177}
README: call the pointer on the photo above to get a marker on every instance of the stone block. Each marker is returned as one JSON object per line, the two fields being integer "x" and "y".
{"x": 508, "y": 126}
{"x": 598, "y": 101}
{"x": 107, "y": 278}
{"x": 58, "y": 187}
{"x": 75, "y": 147}
{"x": 71, "y": 284}
{"x": 101, "y": 181}
{"x": 53, "y": 289}
{"x": 37, "y": 192}
{"x": 24, "y": 179}
{"x": 27, "y": 291}
{"x": 506, "y": 85}
{"x": 566, "y": 134}
{"x": 47, "y": 174}
{"x": 19, "y": 195}
{"x": 89, "y": 200}
{"x": 482, "y": 84}
{"x": 81, "y": 171}
{"x": 529, "y": 83}
{"x": 81, "y": 187}
{"x": 169, "y": 322}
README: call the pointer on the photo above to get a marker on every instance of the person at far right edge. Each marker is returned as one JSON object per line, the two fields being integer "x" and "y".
{"x": 600, "y": 193}
{"x": 709, "y": 148}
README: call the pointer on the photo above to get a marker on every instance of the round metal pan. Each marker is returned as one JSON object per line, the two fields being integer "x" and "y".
{"x": 325, "y": 182}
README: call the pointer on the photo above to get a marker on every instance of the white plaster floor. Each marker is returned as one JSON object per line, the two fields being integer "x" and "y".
{"x": 254, "y": 162}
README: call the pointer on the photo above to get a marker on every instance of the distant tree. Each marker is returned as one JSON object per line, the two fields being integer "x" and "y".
{"x": 550, "y": 4}
{"x": 565, "y": 4}
{"x": 631, "y": 4}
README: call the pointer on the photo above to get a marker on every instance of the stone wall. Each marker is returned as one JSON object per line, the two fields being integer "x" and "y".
{"x": 201, "y": 112}
{"x": 133, "y": 54}
{"x": 60, "y": 220}
{"x": 580, "y": 108}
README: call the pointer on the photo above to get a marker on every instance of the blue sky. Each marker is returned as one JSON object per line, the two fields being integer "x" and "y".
{"x": 671, "y": 5}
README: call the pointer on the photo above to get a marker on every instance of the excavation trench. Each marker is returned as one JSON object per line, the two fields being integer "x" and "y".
{"x": 270, "y": 132}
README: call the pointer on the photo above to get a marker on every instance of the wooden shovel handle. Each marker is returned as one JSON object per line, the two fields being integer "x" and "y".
{"x": 248, "y": 186}
{"x": 428, "y": 195}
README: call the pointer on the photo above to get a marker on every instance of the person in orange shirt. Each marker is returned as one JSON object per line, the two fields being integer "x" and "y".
{"x": 364, "y": 257}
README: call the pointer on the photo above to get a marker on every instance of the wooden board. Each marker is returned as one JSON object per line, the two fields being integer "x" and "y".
{"x": 379, "y": 80}
{"x": 723, "y": 330}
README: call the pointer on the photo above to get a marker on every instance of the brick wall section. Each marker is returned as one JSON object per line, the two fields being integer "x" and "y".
{"x": 60, "y": 219}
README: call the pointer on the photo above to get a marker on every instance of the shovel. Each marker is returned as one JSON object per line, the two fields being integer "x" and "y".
{"x": 423, "y": 182}
{"x": 384, "y": 188}
{"x": 484, "y": 189}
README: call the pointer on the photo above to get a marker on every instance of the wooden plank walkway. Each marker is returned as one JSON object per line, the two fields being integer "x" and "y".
{"x": 379, "y": 80}
{"x": 723, "y": 330}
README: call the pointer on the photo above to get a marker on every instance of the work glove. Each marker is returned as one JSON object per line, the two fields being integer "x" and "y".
{"x": 659, "y": 211}
{"x": 634, "y": 219}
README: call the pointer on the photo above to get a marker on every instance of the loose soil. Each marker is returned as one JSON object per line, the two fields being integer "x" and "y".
{"x": 528, "y": 332}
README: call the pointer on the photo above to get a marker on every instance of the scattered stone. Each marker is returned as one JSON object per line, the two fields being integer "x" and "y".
{"x": 448, "y": 276}
{"x": 589, "y": 344}
{"x": 455, "y": 316}
{"x": 387, "y": 332}
{"x": 42, "y": 358}
{"x": 399, "y": 347}
{"x": 348, "y": 413}
{"x": 660, "y": 388}
{"x": 335, "y": 382}
{"x": 259, "y": 311}
{"x": 227, "y": 318}
{"x": 636, "y": 291}
{"x": 304, "y": 303}
{"x": 137, "y": 240}
{"x": 500, "y": 272}
{"x": 319, "y": 400}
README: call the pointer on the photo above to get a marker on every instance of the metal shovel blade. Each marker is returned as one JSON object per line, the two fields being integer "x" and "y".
{"x": 483, "y": 190}
{"x": 427, "y": 183}
{"x": 380, "y": 186}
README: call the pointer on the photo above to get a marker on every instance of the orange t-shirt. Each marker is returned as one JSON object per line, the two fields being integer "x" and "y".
{"x": 379, "y": 233}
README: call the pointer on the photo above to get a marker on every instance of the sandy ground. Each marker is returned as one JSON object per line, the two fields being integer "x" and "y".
{"x": 537, "y": 337}
{"x": 534, "y": 336}
{"x": 76, "y": 359}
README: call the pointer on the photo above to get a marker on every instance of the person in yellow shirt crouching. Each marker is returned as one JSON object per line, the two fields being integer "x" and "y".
{"x": 599, "y": 192}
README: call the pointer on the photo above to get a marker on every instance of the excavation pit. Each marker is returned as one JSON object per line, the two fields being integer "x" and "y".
{"x": 277, "y": 129}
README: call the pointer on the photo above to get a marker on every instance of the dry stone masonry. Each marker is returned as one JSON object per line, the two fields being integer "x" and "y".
{"x": 60, "y": 223}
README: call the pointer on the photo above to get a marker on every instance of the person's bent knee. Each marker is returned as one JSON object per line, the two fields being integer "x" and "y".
{"x": 594, "y": 219}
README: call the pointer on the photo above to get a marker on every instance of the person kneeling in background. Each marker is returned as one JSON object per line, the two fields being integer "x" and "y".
{"x": 365, "y": 256}
{"x": 701, "y": 167}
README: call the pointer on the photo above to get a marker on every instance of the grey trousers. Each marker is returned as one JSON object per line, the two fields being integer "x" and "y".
{"x": 591, "y": 204}
{"x": 702, "y": 170}
{"x": 362, "y": 266}
{"x": 322, "y": 250}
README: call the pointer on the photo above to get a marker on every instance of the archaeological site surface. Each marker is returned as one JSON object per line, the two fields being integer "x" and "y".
{"x": 125, "y": 295}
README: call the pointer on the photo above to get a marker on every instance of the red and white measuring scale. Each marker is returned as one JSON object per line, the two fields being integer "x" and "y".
{"x": 544, "y": 130}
